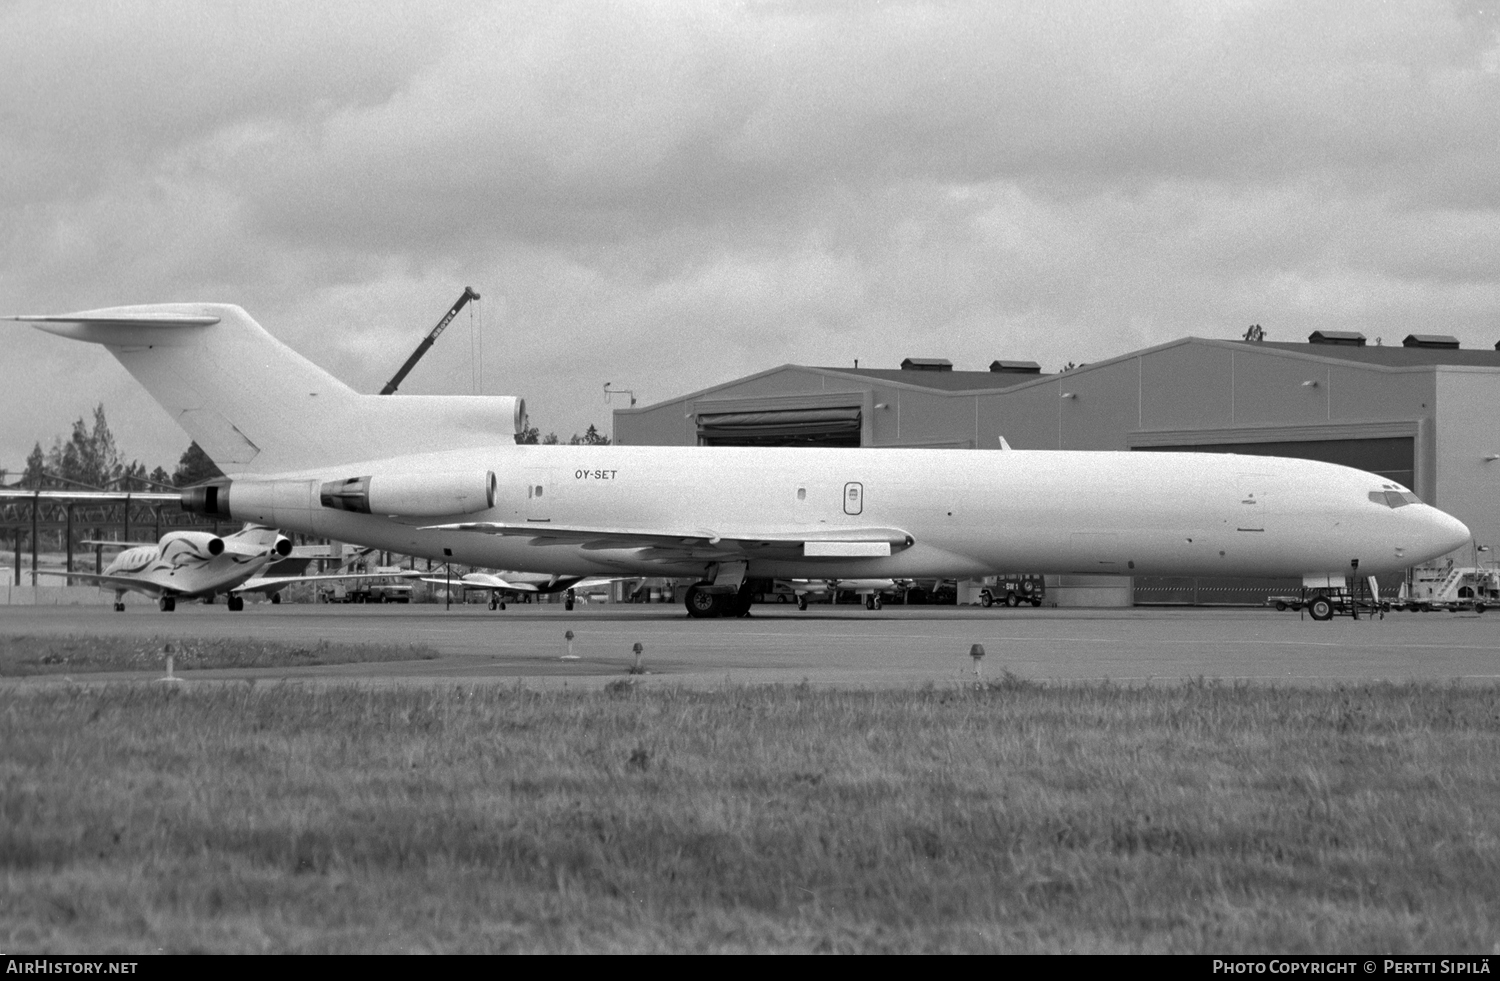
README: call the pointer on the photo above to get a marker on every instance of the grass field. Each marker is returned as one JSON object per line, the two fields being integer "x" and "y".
{"x": 22, "y": 655}
{"x": 1020, "y": 817}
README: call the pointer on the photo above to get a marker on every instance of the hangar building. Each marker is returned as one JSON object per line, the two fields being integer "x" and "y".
{"x": 1426, "y": 414}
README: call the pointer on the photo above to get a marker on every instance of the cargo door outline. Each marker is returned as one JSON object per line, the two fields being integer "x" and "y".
{"x": 1254, "y": 501}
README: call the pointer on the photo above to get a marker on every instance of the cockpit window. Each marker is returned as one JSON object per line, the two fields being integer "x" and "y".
{"x": 1394, "y": 498}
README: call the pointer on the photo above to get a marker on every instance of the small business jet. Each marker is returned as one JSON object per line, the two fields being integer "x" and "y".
{"x": 441, "y": 477}
{"x": 202, "y": 565}
{"x": 514, "y": 584}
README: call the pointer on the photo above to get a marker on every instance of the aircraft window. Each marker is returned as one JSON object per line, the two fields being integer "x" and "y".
{"x": 1394, "y": 499}
{"x": 801, "y": 493}
{"x": 1411, "y": 498}
{"x": 538, "y": 490}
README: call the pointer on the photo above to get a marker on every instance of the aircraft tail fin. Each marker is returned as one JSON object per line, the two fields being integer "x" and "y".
{"x": 256, "y": 406}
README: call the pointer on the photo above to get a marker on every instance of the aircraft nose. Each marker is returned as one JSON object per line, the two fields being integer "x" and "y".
{"x": 1442, "y": 532}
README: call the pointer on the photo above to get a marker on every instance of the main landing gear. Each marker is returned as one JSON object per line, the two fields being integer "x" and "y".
{"x": 235, "y": 603}
{"x": 702, "y": 604}
{"x": 166, "y": 604}
{"x": 496, "y": 603}
{"x": 872, "y": 602}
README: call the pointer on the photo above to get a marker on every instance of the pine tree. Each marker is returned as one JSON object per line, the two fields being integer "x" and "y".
{"x": 195, "y": 467}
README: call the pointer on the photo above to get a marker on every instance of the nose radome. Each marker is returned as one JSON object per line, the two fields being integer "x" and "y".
{"x": 1446, "y": 531}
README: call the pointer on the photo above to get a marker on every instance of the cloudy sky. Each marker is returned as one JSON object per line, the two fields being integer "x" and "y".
{"x": 669, "y": 195}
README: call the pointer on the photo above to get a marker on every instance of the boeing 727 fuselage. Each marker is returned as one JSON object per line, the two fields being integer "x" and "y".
{"x": 307, "y": 454}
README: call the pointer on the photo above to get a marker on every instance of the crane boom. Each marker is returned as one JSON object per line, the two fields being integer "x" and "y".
{"x": 416, "y": 355}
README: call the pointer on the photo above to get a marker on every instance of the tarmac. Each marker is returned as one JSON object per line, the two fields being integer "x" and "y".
{"x": 849, "y": 646}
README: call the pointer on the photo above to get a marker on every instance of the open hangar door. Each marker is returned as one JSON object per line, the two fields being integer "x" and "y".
{"x": 1392, "y": 457}
{"x": 785, "y": 427}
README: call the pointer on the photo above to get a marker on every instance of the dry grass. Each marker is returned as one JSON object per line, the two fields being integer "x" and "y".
{"x": 22, "y": 655}
{"x": 1203, "y": 817}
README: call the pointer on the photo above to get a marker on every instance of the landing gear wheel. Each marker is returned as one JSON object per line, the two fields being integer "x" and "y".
{"x": 870, "y": 602}
{"x": 701, "y": 604}
{"x": 494, "y": 603}
{"x": 166, "y": 604}
{"x": 1321, "y": 608}
{"x": 738, "y": 605}
{"x": 236, "y": 603}
{"x": 801, "y": 603}
{"x": 502, "y": 606}
{"x": 876, "y": 603}
{"x": 275, "y": 599}
{"x": 119, "y": 607}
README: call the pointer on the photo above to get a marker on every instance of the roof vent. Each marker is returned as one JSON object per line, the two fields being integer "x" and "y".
{"x": 1016, "y": 367}
{"x": 1431, "y": 340}
{"x": 1348, "y": 338}
{"x": 927, "y": 364}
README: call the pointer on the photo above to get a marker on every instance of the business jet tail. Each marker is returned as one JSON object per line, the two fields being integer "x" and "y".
{"x": 255, "y": 406}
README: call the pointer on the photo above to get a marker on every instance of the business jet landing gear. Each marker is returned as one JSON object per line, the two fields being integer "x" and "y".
{"x": 276, "y": 599}
{"x": 801, "y": 602}
{"x": 568, "y": 600}
{"x": 166, "y": 604}
{"x": 494, "y": 602}
{"x": 872, "y": 602}
{"x": 235, "y": 603}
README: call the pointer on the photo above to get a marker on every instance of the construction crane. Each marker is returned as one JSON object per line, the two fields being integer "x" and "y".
{"x": 416, "y": 355}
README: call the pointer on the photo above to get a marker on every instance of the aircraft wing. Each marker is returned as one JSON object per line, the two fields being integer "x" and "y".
{"x": 482, "y": 580}
{"x": 104, "y": 581}
{"x": 269, "y": 584}
{"x": 668, "y": 546}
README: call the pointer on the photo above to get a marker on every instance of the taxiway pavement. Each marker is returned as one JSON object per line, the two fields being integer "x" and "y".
{"x": 897, "y": 646}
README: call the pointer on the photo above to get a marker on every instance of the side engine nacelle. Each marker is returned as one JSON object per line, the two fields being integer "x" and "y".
{"x": 424, "y": 495}
{"x": 427, "y": 495}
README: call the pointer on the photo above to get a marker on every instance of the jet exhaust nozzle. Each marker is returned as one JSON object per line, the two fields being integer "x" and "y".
{"x": 211, "y": 500}
{"x": 283, "y": 546}
{"x": 216, "y": 546}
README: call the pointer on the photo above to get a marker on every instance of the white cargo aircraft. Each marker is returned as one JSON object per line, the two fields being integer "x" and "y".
{"x": 439, "y": 476}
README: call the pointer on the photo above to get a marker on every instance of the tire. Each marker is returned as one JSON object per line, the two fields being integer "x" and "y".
{"x": 1036, "y": 601}
{"x": 1480, "y": 607}
{"x": 702, "y": 605}
{"x": 986, "y": 600}
{"x": 1011, "y": 599}
{"x": 878, "y": 604}
{"x": 1321, "y": 608}
{"x": 275, "y": 599}
{"x": 1280, "y": 606}
{"x": 781, "y": 597}
{"x": 502, "y": 606}
{"x": 235, "y": 604}
{"x": 166, "y": 604}
{"x": 801, "y": 602}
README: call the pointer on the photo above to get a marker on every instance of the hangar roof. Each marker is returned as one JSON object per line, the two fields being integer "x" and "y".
{"x": 1390, "y": 357}
{"x": 945, "y": 381}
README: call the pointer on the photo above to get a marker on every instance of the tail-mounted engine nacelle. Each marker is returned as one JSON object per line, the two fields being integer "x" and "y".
{"x": 283, "y": 546}
{"x": 425, "y": 495}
